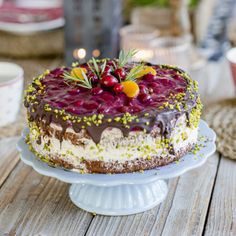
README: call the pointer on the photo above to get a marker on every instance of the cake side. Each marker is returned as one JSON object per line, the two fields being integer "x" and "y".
{"x": 114, "y": 153}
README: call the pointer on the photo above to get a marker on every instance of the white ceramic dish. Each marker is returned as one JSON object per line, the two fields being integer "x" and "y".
{"x": 31, "y": 28}
{"x": 11, "y": 87}
{"x": 122, "y": 194}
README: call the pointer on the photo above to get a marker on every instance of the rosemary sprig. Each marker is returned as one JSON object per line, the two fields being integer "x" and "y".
{"x": 97, "y": 69}
{"x": 125, "y": 57}
{"x": 134, "y": 72}
{"x": 84, "y": 82}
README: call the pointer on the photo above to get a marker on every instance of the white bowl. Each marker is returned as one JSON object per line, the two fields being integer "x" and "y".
{"x": 11, "y": 87}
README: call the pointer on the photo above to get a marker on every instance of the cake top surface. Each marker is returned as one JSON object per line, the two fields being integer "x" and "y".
{"x": 111, "y": 92}
{"x": 111, "y": 89}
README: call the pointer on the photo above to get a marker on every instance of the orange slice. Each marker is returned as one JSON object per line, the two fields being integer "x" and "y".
{"x": 130, "y": 88}
{"x": 146, "y": 70}
{"x": 77, "y": 72}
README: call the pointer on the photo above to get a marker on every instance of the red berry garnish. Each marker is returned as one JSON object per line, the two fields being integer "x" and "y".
{"x": 111, "y": 63}
{"x": 90, "y": 105}
{"x": 143, "y": 89}
{"x": 118, "y": 88}
{"x": 79, "y": 103}
{"x": 120, "y": 73}
{"x": 74, "y": 91}
{"x": 179, "y": 90}
{"x": 107, "y": 69}
{"x": 144, "y": 98}
{"x": 109, "y": 80}
{"x": 149, "y": 77}
{"x": 123, "y": 109}
{"x": 96, "y": 90}
{"x": 154, "y": 85}
{"x": 93, "y": 77}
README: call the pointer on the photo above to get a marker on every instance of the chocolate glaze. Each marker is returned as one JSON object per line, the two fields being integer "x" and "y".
{"x": 163, "y": 117}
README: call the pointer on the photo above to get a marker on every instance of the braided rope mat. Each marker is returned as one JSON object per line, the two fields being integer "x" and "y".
{"x": 221, "y": 117}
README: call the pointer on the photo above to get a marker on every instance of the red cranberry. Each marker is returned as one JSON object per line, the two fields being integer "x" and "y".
{"x": 135, "y": 109}
{"x": 96, "y": 90}
{"x": 107, "y": 69}
{"x": 109, "y": 80}
{"x": 90, "y": 105}
{"x": 123, "y": 109}
{"x": 179, "y": 78}
{"x": 168, "y": 83}
{"x": 157, "y": 90}
{"x": 154, "y": 85}
{"x": 93, "y": 77}
{"x": 149, "y": 77}
{"x": 70, "y": 109}
{"x": 144, "y": 98}
{"x": 179, "y": 90}
{"x": 106, "y": 96}
{"x": 143, "y": 89}
{"x": 118, "y": 88}
{"x": 120, "y": 73}
{"x": 79, "y": 103}
{"x": 111, "y": 63}
{"x": 74, "y": 91}
{"x": 104, "y": 109}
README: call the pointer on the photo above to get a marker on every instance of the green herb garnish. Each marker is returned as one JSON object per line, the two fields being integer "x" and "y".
{"x": 125, "y": 57}
{"x": 97, "y": 69}
{"x": 134, "y": 73}
{"x": 84, "y": 82}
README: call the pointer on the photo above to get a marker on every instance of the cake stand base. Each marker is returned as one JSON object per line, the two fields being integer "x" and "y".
{"x": 122, "y": 194}
{"x": 118, "y": 200}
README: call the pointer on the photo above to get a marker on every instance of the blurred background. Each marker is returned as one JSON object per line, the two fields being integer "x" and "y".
{"x": 193, "y": 34}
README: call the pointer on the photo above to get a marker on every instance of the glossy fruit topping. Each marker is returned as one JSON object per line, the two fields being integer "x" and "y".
{"x": 97, "y": 90}
{"x": 131, "y": 89}
{"x": 118, "y": 88}
{"x": 111, "y": 93}
{"x": 109, "y": 80}
{"x": 146, "y": 70}
{"x": 120, "y": 73}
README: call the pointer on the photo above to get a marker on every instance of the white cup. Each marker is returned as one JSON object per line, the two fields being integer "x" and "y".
{"x": 11, "y": 87}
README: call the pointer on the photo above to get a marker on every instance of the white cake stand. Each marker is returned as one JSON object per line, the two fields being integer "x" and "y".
{"x": 122, "y": 194}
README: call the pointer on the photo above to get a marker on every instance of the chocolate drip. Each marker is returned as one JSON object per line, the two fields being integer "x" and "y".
{"x": 164, "y": 119}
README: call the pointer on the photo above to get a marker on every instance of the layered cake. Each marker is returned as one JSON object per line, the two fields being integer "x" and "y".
{"x": 112, "y": 115}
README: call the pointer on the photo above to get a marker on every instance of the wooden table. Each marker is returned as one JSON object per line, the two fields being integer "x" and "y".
{"x": 202, "y": 201}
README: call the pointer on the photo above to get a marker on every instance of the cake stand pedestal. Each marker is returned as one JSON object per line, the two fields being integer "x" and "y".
{"x": 122, "y": 194}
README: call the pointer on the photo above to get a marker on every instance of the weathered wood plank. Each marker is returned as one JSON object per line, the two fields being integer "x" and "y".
{"x": 191, "y": 201}
{"x": 139, "y": 224}
{"x": 8, "y": 157}
{"x": 31, "y": 204}
{"x": 222, "y": 213}
{"x": 182, "y": 213}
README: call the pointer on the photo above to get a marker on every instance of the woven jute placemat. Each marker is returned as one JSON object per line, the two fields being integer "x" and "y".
{"x": 48, "y": 43}
{"x": 221, "y": 117}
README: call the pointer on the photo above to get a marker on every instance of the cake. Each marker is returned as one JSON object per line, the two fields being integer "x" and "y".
{"x": 112, "y": 115}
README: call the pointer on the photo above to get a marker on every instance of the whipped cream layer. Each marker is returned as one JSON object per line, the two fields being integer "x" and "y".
{"x": 75, "y": 148}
